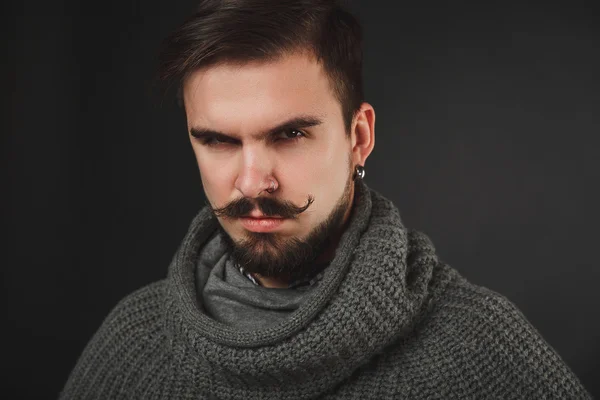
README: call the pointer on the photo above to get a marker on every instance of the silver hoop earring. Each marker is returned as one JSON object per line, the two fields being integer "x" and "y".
{"x": 359, "y": 172}
{"x": 272, "y": 187}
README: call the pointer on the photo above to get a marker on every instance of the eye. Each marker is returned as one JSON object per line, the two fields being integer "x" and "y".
{"x": 289, "y": 134}
{"x": 212, "y": 141}
{"x": 215, "y": 140}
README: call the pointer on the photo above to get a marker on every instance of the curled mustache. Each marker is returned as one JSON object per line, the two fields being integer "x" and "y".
{"x": 268, "y": 206}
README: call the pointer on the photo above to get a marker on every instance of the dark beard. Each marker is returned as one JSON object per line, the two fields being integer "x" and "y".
{"x": 288, "y": 258}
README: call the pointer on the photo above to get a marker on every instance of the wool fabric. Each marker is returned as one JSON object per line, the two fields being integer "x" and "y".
{"x": 389, "y": 320}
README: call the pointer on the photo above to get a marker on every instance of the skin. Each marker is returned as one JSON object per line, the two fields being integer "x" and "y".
{"x": 244, "y": 102}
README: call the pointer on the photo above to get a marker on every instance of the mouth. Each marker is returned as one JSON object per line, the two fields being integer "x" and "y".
{"x": 261, "y": 223}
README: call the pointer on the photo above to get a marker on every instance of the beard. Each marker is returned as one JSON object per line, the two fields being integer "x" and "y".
{"x": 289, "y": 258}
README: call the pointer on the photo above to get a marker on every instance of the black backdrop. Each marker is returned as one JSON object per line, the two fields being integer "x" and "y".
{"x": 486, "y": 138}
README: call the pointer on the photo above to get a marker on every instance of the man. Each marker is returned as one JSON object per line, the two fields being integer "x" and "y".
{"x": 297, "y": 281}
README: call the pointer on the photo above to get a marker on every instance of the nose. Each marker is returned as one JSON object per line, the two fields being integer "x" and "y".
{"x": 255, "y": 172}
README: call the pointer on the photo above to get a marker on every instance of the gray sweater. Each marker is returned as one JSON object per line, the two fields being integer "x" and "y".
{"x": 389, "y": 320}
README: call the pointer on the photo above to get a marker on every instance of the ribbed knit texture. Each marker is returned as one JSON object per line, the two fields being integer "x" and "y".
{"x": 390, "y": 321}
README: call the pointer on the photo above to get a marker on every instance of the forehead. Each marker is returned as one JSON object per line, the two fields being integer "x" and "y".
{"x": 252, "y": 96}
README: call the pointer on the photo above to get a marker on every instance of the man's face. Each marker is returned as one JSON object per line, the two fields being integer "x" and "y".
{"x": 234, "y": 114}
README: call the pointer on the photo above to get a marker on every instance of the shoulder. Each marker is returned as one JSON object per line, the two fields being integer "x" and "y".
{"x": 144, "y": 302}
{"x": 134, "y": 316}
{"x": 493, "y": 340}
{"x": 136, "y": 312}
{"x": 485, "y": 306}
{"x": 132, "y": 326}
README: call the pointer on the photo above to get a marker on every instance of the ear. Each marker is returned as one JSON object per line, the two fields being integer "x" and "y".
{"x": 363, "y": 134}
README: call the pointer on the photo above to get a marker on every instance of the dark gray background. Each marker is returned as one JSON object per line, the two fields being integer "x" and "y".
{"x": 486, "y": 139}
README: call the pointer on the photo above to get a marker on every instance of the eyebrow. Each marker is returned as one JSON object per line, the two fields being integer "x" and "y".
{"x": 300, "y": 122}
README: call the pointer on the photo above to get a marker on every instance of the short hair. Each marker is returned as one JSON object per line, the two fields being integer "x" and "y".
{"x": 241, "y": 31}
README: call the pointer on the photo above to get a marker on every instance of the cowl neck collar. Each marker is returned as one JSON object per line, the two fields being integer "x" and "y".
{"x": 379, "y": 282}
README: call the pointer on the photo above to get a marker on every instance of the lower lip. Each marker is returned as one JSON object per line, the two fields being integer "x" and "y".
{"x": 261, "y": 224}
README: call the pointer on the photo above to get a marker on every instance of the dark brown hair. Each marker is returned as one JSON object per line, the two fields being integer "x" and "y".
{"x": 240, "y": 31}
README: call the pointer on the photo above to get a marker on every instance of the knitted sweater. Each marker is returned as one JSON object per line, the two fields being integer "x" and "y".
{"x": 389, "y": 321}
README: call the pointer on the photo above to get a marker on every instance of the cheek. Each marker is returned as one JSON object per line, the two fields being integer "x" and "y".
{"x": 332, "y": 163}
{"x": 217, "y": 175}
{"x": 320, "y": 170}
{"x": 304, "y": 172}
